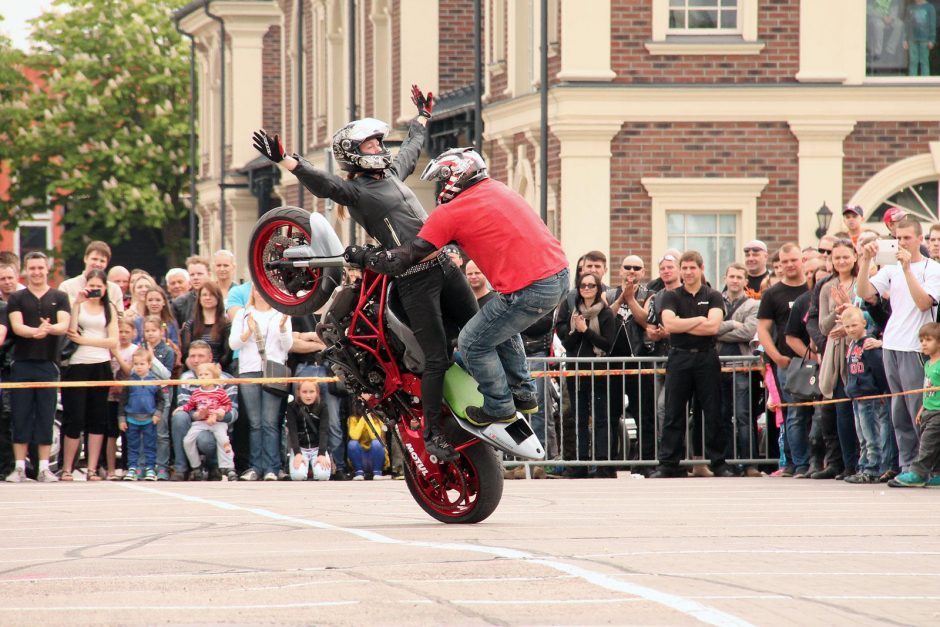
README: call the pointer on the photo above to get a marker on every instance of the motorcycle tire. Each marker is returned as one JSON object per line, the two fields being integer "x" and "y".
{"x": 474, "y": 484}
{"x": 294, "y": 291}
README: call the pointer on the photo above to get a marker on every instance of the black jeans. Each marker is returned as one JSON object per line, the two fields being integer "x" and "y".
{"x": 436, "y": 300}
{"x": 689, "y": 373}
{"x": 928, "y": 455}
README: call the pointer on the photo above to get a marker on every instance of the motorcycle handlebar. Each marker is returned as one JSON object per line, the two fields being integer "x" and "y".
{"x": 322, "y": 262}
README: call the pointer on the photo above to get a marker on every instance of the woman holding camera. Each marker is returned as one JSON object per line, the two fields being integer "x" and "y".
{"x": 94, "y": 332}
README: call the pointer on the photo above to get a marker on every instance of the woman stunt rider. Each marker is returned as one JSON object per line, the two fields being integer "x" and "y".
{"x": 389, "y": 211}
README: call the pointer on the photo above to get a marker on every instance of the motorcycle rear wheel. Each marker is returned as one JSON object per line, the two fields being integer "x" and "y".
{"x": 294, "y": 291}
{"x": 472, "y": 488}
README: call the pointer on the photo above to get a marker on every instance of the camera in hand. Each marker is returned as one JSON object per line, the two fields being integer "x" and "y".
{"x": 93, "y": 293}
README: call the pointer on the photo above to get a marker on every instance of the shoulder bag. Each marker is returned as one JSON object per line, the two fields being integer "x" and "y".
{"x": 272, "y": 370}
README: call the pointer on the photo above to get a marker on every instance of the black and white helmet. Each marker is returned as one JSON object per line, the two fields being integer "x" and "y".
{"x": 346, "y": 144}
{"x": 458, "y": 168}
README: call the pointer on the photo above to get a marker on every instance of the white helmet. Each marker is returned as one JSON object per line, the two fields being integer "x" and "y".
{"x": 459, "y": 168}
{"x": 347, "y": 140}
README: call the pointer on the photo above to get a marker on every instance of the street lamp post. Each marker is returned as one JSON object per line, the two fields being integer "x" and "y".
{"x": 823, "y": 217}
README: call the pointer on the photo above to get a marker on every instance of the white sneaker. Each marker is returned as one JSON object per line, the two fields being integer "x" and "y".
{"x": 249, "y": 475}
{"x": 380, "y": 477}
{"x": 17, "y": 476}
{"x": 359, "y": 477}
{"x": 46, "y": 476}
{"x": 270, "y": 476}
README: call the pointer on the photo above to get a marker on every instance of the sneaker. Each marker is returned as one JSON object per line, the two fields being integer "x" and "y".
{"x": 377, "y": 476}
{"x": 524, "y": 406}
{"x": 779, "y": 473}
{"x": 46, "y": 476}
{"x": 908, "y": 480}
{"x": 750, "y": 471}
{"x": 725, "y": 470}
{"x": 249, "y": 475}
{"x": 197, "y": 474}
{"x": 150, "y": 475}
{"x": 270, "y": 476}
{"x": 830, "y": 472}
{"x": 478, "y": 417}
{"x": 575, "y": 472}
{"x": 131, "y": 474}
{"x": 538, "y": 472}
{"x": 179, "y": 475}
{"x": 439, "y": 447}
{"x": 669, "y": 472}
{"x": 933, "y": 482}
{"x": 701, "y": 470}
{"x": 339, "y": 475}
{"x": 359, "y": 477}
{"x": 801, "y": 472}
{"x": 214, "y": 474}
{"x": 163, "y": 475}
{"x": 17, "y": 476}
{"x": 231, "y": 475}
{"x": 887, "y": 476}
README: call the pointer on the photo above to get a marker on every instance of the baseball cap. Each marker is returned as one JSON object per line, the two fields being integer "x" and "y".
{"x": 853, "y": 209}
{"x": 756, "y": 243}
{"x": 893, "y": 214}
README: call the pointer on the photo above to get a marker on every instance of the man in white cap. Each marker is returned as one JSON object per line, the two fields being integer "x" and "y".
{"x": 755, "y": 260}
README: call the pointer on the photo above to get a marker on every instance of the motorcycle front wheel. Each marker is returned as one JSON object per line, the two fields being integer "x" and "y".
{"x": 294, "y": 291}
{"x": 471, "y": 487}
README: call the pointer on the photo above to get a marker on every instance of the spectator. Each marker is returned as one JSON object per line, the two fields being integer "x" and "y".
{"x": 198, "y": 269}
{"x": 927, "y": 462}
{"x": 656, "y": 334}
{"x": 755, "y": 260}
{"x": 260, "y": 334}
{"x": 141, "y": 409}
{"x": 223, "y": 263}
{"x": 365, "y": 449}
{"x": 35, "y": 355}
{"x": 156, "y": 304}
{"x": 208, "y": 404}
{"x": 308, "y": 435}
{"x": 587, "y": 330}
{"x": 209, "y": 324}
{"x": 9, "y": 281}
{"x": 199, "y": 353}
{"x": 93, "y": 328}
{"x": 9, "y": 275}
{"x": 839, "y": 294}
{"x": 97, "y": 256}
{"x": 865, "y": 376}
{"x": 914, "y": 285}
{"x": 120, "y": 276}
{"x": 734, "y": 339}
{"x": 772, "y": 317}
{"x": 657, "y": 284}
{"x": 595, "y": 262}
{"x": 177, "y": 282}
{"x": 154, "y": 341}
{"x": 920, "y": 36}
{"x": 933, "y": 243}
{"x": 692, "y": 314}
{"x": 478, "y": 283}
{"x": 140, "y": 286}
{"x": 121, "y": 365}
{"x": 852, "y": 219}
{"x": 809, "y": 253}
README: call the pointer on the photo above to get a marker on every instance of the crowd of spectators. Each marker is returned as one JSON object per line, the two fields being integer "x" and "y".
{"x": 836, "y": 321}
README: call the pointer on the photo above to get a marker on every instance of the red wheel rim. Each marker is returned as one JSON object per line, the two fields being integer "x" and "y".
{"x": 259, "y": 258}
{"x": 459, "y": 492}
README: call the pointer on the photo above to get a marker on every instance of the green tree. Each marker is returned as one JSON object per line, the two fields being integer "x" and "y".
{"x": 106, "y": 135}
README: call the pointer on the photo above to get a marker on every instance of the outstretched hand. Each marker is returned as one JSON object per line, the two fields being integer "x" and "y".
{"x": 424, "y": 103}
{"x": 356, "y": 255}
{"x": 270, "y": 147}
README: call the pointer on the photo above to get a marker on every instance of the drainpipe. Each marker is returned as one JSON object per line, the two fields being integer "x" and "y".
{"x": 478, "y": 76}
{"x": 192, "y": 135}
{"x": 351, "y": 15}
{"x": 299, "y": 64}
{"x": 205, "y": 7}
{"x": 543, "y": 124}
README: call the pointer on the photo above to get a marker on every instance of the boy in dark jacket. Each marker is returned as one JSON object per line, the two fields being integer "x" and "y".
{"x": 866, "y": 377}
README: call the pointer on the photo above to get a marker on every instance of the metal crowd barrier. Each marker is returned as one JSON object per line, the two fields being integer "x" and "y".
{"x": 607, "y": 411}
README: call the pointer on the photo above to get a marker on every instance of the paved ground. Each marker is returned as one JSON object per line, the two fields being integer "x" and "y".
{"x": 677, "y": 552}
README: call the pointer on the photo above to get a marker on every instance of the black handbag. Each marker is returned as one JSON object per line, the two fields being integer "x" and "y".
{"x": 272, "y": 370}
{"x": 803, "y": 379}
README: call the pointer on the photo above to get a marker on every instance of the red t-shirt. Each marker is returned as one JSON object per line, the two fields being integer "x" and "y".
{"x": 498, "y": 229}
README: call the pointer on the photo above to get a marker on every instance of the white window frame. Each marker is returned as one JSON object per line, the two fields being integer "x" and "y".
{"x": 741, "y": 41}
{"x": 39, "y": 221}
{"x": 707, "y": 31}
{"x": 705, "y": 195}
{"x": 713, "y": 267}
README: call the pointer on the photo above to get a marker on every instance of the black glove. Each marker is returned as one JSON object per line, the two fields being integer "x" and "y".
{"x": 270, "y": 147}
{"x": 424, "y": 103}
{"x": 356, "y": 255}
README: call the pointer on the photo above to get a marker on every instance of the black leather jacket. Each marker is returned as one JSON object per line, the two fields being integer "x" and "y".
{"x": 385, "y": 207}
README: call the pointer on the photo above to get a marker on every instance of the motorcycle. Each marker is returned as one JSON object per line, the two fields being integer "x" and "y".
{"x": 296, "y": 264}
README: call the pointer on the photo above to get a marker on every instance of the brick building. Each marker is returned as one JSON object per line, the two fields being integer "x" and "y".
{"x": 670, "y": 123}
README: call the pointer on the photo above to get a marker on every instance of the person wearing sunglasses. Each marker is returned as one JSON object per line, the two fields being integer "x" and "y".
{"x": 587, "y": 330}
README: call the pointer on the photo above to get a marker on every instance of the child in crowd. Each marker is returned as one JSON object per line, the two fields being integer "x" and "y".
{"x": 866, "y": 377}
{"x": 208, "y": 404}
{"x": 166, "y": 365}
{"x": 928, "y": 418}
{"x": 308, "y": 432}
{"x": 365, "y": 432}
{"x": 121, "y": 364}
{"x": 155, "y": 342}
{"x": 140, "y": 411}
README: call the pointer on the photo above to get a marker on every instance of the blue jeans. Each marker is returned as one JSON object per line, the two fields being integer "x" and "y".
{"x": 142, "y": 434}
{"x": 736, "y": 410}
{"x": 796, "y": 424}
{"x": 332, "y": 406}
{"x": 871, "y": 419}
{"x": 545, "y": 401}
{"x": 179, "y": 427}
{"x": 263, "y": 411}
{"x": 491, "y": 345}
{"x": 362, "y": 461}
{"x": 845, "y": 426}
{"x": 163, "y": 432}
